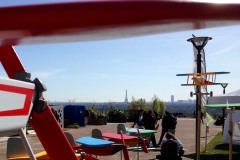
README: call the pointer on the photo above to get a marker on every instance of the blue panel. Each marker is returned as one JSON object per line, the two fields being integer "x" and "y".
{"x": 79, "y": 111}
{"x": 75, "y": 114}
{"x": 93, "y": 142}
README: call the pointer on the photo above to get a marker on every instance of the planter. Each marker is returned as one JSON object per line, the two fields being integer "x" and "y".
{"x": 76, "y": 127}
{"x": 117, "y": 119}
{"x": 97, "y": 121}
{"x": 105, "y": 121}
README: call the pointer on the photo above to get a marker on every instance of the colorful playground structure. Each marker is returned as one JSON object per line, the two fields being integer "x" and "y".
{"x": 87, "y": 147}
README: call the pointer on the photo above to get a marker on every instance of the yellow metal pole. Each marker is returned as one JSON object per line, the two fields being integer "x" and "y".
{"x": 230, "y": 138}
{"x": 198, "y": 124}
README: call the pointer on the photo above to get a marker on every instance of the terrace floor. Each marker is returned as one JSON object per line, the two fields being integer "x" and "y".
{"x": 185, "y": 131}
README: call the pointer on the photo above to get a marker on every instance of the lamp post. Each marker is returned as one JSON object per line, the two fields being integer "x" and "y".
{"x": 199, "y": 43}
{"x": 224, "y": 85}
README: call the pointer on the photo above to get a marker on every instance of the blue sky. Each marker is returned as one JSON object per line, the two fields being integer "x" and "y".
{"x": 101, "y": 71}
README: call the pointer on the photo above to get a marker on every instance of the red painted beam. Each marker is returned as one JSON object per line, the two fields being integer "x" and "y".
{"x": 45, "y": 125}
{"x": 10, "y": 61}
{"x": 40, "y": 22}
{"x": 51, "y": 136}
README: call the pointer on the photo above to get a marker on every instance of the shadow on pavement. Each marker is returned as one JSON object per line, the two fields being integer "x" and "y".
{"x": 219, "y": 157}
{"x": 189, "y": 155}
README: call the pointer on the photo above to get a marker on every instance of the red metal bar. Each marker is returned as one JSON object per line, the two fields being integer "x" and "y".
{"x": 125, "y": 151}
{"x": 10, "y": 61}
{"x": 51, "y": 136}
{"x": 45, "y": 125}
{"x": 79, "y": 18}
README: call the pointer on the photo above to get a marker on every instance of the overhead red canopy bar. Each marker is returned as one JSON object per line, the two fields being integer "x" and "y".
{"x": 95, "y": 20}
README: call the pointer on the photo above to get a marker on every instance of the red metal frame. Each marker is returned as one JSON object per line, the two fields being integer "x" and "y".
{"x": 10, "y": 61}
{"x": 86, "y": 18}
{"x": 125, "y": 151}
{"x": 45, "y": 125}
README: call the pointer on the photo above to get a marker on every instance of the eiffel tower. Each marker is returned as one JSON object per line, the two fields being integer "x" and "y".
{"x": 126, "y": 99}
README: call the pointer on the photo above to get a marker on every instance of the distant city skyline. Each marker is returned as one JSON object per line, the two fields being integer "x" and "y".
{"x": 172, "y": 98}
{"x": 128, "y": 101}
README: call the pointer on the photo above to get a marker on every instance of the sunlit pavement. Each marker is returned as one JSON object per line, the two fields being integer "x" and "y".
{"x": 185, "y": 131}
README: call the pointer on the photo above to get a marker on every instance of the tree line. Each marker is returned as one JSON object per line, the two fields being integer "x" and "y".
{"x": 155, "y": 105}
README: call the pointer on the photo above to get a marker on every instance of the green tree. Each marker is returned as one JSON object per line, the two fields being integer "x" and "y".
{"x": 142, "y": 104}
{"x": 162, "y": 106}
{"x": 157, "y": 104}
{"x": 71, "y": 101}
{"x": 133, "y": 104}
{"x": 138, "y": 104}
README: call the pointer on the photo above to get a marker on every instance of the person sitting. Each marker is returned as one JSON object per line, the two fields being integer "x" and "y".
{"x": 218, "y": 121}
{"x": 169, "y": 149}
{"x": 180, "y": 146}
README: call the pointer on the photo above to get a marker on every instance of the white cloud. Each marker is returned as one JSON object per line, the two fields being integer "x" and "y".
{"x": 46, "y": 74}
{"x": 106, "y": 76}
{"x": 224, "y": 64}
{"x": 185, "y": 63}
{"x": 236, "y": 44}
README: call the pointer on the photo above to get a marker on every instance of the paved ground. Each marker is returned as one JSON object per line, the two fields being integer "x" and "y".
{"x": 185, "y": 132}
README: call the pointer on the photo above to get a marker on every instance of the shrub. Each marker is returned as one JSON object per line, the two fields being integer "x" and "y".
{"x": 100, "y": 115}
{"x": 116, "y": 115}
{"x": 92, "y": 113}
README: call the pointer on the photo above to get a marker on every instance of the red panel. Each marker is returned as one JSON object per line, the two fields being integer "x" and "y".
{"x": 28, "y": 100}
{"x": 10, "y": 61}
{"x": 79, "y": 18}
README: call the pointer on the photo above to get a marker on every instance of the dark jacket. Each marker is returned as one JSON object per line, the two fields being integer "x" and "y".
{"x": 169, "y": 150}
{"x": 136, "y": 119}
{"x": 148, "y": 122}
{"x": 169, "y": 122}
